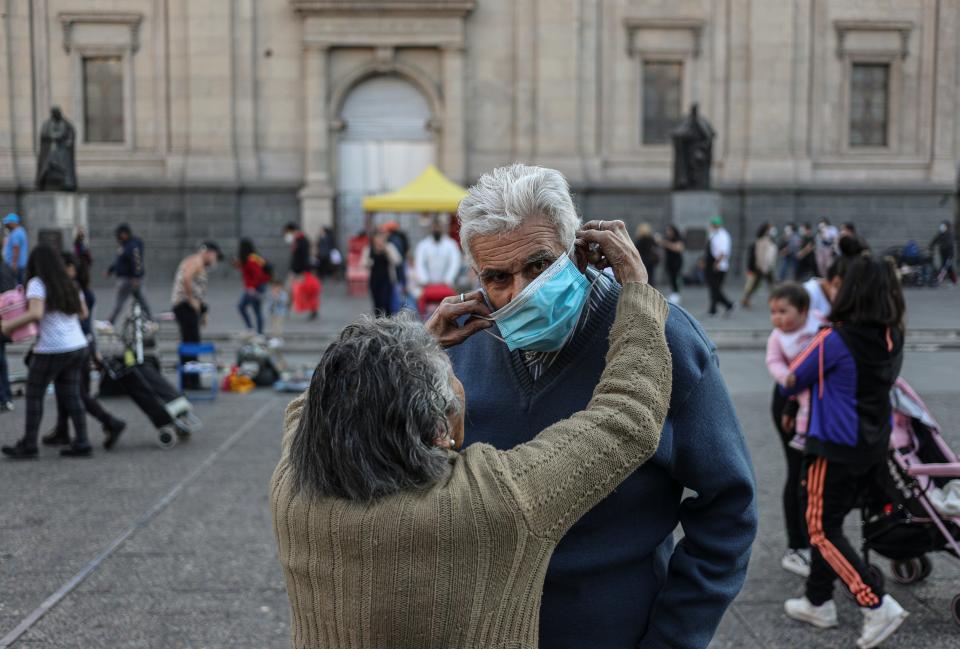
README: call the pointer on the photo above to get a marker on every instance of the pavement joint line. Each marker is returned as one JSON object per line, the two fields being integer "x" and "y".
{"x": 48, "y": 604}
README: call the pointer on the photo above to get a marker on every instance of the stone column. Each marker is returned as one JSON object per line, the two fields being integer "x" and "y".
{"x": 453, "y": 138}
{"x": 316, "y": 197}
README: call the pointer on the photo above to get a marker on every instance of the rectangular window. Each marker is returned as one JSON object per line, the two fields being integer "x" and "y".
{"x": 662, "y": 100}
{"x": 103, "y": 99}
{"x": 869, "y": 108}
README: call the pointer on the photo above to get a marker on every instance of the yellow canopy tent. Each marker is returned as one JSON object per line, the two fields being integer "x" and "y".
{"x": 431, "y": 191}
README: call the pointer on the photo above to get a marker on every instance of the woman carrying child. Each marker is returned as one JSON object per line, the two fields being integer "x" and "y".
{"x": 850, "y": 366}
{"x": 794, "y": 326}
{"x": 60, "y": 353}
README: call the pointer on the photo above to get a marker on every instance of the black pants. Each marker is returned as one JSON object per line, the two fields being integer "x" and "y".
{"x": 715, "y": 283}
{"x": 832, "y": 491}
{"x": 63, "y": 370}
{"x": 188, "y": 320}
{"x": 91, "y": 405}
{"x": 674, "y": 274}
{"x": 793, "y": 515}
{"x": 382, "y": 293}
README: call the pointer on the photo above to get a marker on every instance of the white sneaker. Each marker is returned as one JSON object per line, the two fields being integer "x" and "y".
{"x": 880, "y": 623}
{"x": 822, "y": 617}
{"x": 797, "y": 562}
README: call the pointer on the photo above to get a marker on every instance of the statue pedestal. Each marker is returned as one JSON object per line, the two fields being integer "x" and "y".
{"x": 691, "y": 212}
{"x": 51, "y": 217}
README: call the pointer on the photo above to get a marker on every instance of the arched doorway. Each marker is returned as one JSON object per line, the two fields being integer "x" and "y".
{"x": 384, "y": 145}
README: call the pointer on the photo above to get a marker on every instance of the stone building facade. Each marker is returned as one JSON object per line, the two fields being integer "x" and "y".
{"x": 228, "y": 118}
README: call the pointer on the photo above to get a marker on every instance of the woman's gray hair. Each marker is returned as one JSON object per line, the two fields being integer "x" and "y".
{"x": 504, "y": 197}
{"x": 378, "y": 399}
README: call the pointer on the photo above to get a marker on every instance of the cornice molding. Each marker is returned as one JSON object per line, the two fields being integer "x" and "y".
{"x": 69, "y": 19}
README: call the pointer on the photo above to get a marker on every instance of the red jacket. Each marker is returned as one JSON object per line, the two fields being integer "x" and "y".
{"x": 254, "y": 271}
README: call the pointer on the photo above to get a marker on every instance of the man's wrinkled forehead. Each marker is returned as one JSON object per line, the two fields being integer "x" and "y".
{"x": 514, "y": 248}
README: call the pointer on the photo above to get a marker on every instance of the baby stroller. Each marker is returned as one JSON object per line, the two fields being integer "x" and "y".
{"x": 900, "y": 520}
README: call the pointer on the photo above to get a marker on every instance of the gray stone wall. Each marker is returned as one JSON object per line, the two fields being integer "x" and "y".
{"x": 172, "y": 222}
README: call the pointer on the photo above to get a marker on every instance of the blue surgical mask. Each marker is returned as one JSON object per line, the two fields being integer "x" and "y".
{"x": 545, "y": 313}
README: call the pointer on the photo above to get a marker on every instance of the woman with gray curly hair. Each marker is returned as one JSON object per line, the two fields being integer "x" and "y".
{"x": 389, "y": 537}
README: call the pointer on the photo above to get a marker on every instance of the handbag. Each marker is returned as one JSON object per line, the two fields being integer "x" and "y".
{"x": 13, "y": 303}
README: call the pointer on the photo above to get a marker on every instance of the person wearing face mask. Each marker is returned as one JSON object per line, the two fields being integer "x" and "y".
{"x": 946, "y": 244}
{"x": 530, "y": 348}
{"x": 437, "y": 262}
{"x": 189, "y": 291}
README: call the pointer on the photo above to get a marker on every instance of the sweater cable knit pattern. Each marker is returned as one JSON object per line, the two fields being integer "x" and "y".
{"x": 462, "y": 563}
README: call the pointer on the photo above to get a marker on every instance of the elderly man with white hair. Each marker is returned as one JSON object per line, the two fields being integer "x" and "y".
{"x": 530, "y": 348}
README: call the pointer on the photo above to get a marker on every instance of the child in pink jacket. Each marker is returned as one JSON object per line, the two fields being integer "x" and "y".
{"x": 794, "y": 327}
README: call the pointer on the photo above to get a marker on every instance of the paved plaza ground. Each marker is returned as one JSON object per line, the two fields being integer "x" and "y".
{"x": 178, "y": 547}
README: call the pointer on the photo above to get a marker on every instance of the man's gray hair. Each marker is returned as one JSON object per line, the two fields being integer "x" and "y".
{"x": 503, "y": 198}
{"x": 378, "y": 399}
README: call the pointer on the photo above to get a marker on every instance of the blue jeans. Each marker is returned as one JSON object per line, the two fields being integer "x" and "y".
{"x": 5, "y": 394}
{"x": 255, "y": 301}
{"x": 788, "y": 268}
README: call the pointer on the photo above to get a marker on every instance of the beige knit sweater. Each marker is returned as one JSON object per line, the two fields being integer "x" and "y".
{"x": 462, "y": 564}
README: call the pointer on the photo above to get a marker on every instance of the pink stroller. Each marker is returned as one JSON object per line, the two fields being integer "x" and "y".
{"x": 900, "y": 521}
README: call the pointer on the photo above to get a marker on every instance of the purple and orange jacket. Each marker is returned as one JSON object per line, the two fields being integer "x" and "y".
{"x": 851, "y": 369}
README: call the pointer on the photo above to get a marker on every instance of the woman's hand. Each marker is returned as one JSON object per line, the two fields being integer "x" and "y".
{"x": 443, "y": 323}
{"x": 613, "y": 249}
{"x": 787, "y": 423}
{"x": 790, "y": 382}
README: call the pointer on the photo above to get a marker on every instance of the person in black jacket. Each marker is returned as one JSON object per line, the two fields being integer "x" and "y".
{"x": 300, "y": 259}
{"x": 946, "y": 244}
{"x": 129, "y": 269}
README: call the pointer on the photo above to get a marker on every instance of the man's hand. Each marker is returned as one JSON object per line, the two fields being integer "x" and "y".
{"x": 790, "y": 382}
{"x": 614, "y": 249}
{"x": 443, "y": 323}
{"x": 195, "y": 304}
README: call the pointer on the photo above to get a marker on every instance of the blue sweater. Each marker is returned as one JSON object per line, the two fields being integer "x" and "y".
{"x": 616, "y": 581}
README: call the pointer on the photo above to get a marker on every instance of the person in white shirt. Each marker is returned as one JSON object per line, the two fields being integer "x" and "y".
{"x": 827, "y": 236}
{"x": 60, "y": 353}
{"x": 716, "y": 265}
{"x": 437, "y": 261}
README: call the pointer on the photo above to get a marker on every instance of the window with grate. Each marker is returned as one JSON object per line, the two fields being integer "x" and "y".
{"x": 103, "y": 99}
{"x": 662, "y": 100}
{"x": 869, "y": 104}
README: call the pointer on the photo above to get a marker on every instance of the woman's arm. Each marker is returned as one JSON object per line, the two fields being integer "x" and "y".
{"x": 84, "y": 311}
{"x": 34, "y": 313}
{"x": 574, "y": 464}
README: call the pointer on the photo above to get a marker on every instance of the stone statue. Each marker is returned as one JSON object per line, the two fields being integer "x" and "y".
{"x": 692, "y": 152}
{"x": 56, "y": 170}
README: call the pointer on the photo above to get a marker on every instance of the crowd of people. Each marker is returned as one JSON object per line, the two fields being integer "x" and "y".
{"x": 794, "y": 252}
{"x": 58, "y": 300}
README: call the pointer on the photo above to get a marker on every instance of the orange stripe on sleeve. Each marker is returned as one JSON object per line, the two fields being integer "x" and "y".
{"x": 817, "y": 341}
